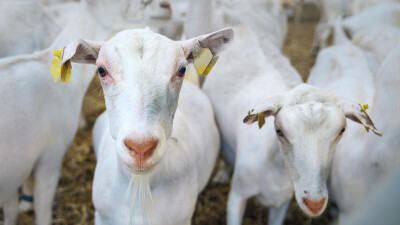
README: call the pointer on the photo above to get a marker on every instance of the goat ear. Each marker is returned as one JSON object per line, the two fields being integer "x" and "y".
{"x": 204, "y": 49}
{"x": 82, "y": 51}
{"x": 358, "y": 114}
{"x": 270, "y": 107}
{"x": 216, "y": 42}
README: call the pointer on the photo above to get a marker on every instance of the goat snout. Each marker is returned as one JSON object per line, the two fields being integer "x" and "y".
{"x": 165, "y": 5}
{"x": 315, "y": 206}
{"x": 141, "y": 150}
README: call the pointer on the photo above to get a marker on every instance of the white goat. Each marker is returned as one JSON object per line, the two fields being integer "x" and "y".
{"x": 52, "y": 2}
{"x": 306, "y": 122}
{"x": 331, "y": 9}
{"x": 357, "y": 162}
{"x": 343, "y": 62}
{"x": 259, "y": 169}
{"x": 62, "y": 13}
{"x": 266, "y": 19}
{"x": 381, "y": 205}
{"x": 26, "y": 28}
{"x": 164, "y": 148}
{"x": 174, "y": 29}
{"x": 361, "y": 161}
{"x": 387, "y": 13}
{"x": 375, "y": 42}
{"x": 256, "y": 42}
{"x": 378, "y": 41}
{"x": 39, "y": 118}
{"x": 358, "y": 6}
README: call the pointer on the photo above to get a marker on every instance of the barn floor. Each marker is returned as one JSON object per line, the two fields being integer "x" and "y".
{"x": 73, "y": 203}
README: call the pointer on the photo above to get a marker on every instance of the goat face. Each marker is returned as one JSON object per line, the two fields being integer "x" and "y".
{"x": 141, "y": 73}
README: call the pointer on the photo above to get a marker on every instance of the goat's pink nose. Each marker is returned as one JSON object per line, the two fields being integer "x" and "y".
{"x": 314, "y": 206}
{"x": 142, "y": 150}
{"x": 165, "y": 5}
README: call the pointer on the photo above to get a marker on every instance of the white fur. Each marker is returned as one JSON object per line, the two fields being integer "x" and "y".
{"x": 387, "y": 13}
{"x": 378, "y": 41}
{"x": 25, "y": 28}
{"x": 54, "y": 2}
{"x": 343, "y": 63}
{"x": 343, "y": 69}
{"x": 267, "y": 14}
{"x": 174, "y": 29}
{"x": 259, "y": 169}
{"x": 266, "y": 19}
{"x": 311, "y": 120}
{"x": 362, "y": 161}
{"x": 146, "y": 98}
{"x": 63, "y": 12}
{"x": 202, "y": 16}
{"x": 39, "y": 118}
{"x": 261, "y": 37}
{"x": 176, "y": 180}
{"x": 358, "y": 6}
{"x": 331, "y": 9}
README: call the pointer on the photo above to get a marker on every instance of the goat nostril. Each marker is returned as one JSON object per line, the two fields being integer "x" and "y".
{"x": 127, "y": 145}
{"x": 305, "y": 192}
{"x": 143, "y": 148}
{"x": 165, "y": 5}
{"x": 149, "y": 152}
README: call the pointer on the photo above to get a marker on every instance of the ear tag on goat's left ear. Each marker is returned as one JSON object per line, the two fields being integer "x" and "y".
{"x": 55, "y": 68}
{"x": 202, "y": 59}
{"x": 66, "y": 70}
{"x": 261, "y": 120}
{"x": 364, "y": 108}
{"x": 211, "y": 65}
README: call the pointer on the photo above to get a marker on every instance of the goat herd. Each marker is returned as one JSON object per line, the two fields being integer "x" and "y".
{"x": 165, "y": 125}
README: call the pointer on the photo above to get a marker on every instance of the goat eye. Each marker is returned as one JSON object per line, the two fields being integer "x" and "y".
{"x": 343, "y": 129}
{"x": 279, "y": 132}
{"x": 102, "y": 71}
{"x": 182, "y": 71}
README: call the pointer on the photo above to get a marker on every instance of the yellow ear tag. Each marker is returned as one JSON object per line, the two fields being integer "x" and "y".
{"x": 364, "y": 107}
{"x": 66, "y": 70}
{"x": 261, "y": 120}
{"x": 250, "y": 111}
{"x": 211, "y": 65}
{"x": 55, "y": 68}
{"x": 202, "y": 59}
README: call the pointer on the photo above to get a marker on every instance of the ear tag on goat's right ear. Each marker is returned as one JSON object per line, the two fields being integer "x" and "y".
{"x": 261, "y": 120}
{"x": 55, "y": 68}
{"x": 250, "y": 111}
{"x": 364, "y": 108}
{"x": 202, "y": 59}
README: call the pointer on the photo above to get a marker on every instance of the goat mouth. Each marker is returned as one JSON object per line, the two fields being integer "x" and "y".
{"x": 313, "y": 212}
{"x": 140, "y": 170}
{"x": 139, "y": 165}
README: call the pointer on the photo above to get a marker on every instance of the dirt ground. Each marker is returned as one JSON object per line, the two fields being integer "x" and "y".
{"x": 73, "y": 205}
